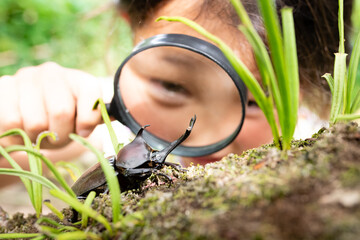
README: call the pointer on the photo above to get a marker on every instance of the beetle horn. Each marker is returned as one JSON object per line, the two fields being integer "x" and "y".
{"x": 161, "y": 155}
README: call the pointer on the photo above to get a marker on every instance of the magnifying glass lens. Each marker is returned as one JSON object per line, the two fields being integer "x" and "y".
{"x": 165, "y": 87}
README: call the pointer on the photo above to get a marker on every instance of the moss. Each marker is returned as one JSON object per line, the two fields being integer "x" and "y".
{"x": 256, "y": 195}
{"x": 351, "y": 177}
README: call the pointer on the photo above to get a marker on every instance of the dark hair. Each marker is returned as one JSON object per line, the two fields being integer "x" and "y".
{"x": 316, "y": 26}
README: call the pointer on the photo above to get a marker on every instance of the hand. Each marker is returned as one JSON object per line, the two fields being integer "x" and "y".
{"x": 48, "y": 97}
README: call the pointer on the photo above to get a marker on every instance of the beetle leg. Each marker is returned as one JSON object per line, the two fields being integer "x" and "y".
{"x": 164, "y": 175}
{"x": 176, "y": 166}
{"x": 138, "y": 172}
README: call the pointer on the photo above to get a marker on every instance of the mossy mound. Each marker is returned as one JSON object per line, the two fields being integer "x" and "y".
{"x": 312, "y": 194}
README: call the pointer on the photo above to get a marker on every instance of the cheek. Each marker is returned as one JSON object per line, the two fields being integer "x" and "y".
{"x": 255, "y": 132}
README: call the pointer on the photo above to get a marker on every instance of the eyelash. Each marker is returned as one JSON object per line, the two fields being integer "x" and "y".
{"x": 252, "y": 103}
{"x": 171, "y": 87}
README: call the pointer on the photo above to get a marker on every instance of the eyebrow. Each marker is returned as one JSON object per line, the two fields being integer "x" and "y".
{"x": 182, "y": 59}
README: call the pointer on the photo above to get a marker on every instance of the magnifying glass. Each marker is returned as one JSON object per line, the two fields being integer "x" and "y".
{"x": 169, "y": 78}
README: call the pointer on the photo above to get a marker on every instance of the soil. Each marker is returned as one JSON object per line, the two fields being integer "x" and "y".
{"x": 312, "y": 193}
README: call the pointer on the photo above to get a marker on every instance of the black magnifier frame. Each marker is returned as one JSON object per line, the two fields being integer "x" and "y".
{"x": 118, "y": 109}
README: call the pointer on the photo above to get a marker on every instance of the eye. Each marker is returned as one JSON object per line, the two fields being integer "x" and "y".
{"x": 169, "y": 93}
{"x": 170, "y": 86}
{"x": 252, "y": 104}
{"x": 253, "y": 109}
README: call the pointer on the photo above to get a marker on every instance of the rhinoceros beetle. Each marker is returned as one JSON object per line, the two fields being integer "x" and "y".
{"x": 133, "y": 164}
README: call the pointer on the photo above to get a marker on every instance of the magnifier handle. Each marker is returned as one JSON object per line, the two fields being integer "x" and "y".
{"x": 108, "y": 108}
{"x": 112, "y": 110}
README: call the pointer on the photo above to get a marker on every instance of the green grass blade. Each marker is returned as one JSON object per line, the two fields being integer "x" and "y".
{"x": 29, "y": 175}
{"x": 15, "y": 165}
{"x": 272, "y": 26}
{"x": 339, "y": 82}
{"x": 265, "y": 66}
{"x": 330, "y": 81}
{"x": 40, "y": 237}
{"x": 261, "y": 54}
{"x": 54, "y": 210}
{"x": 341, "y": 26}
{"x": 18, "y": 235}
{"x": 77, "y": 235}
{"x": 41, "y": 136}
{"x": 352, "y": 73}
{"x": 355, "y": 105}
{"x": 78, "y": 206}
{"x": 292, "y": 78}
{"x": 71, "y": 168}
{"x": 242, "y": 13}
{"x": 348, "y": 117}
{"x": 58, "y": 227}
{"x": 110, "y": 176}
{"x": 107, "y": 122}
{"x": 246, "y": 76}
{"x": 48, "y": 163}
{"x": 88, "y": 201}
{"x": 50, "y": 232}
{"x": 35, "y": 167}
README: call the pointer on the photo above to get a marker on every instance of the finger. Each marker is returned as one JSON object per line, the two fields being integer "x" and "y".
{"x": 9, "y": 110}
{"x": 59, "y": 103}
{"x": 31, "y": 102}
{"x": 87, "y": 91}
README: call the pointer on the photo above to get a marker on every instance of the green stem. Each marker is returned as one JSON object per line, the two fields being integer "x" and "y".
{"x": 78, "y": 206}
{"x": 110, "y": 176}
{"x": 48, "y": 163}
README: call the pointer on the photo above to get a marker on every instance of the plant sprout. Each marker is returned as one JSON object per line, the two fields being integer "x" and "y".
{"x": 54, "y": 210}
{"x": 279, "y": 69}
{"x": 343, "y": 103}
{"x": 34, "y": 188}
{"x": 30, "y": 178}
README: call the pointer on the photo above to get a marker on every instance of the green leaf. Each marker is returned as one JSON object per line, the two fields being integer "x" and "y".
{"x": 330, "y": 81}
{"x": 16, "y": 166}
{"x": 42, "y": 135}
{"x": 35, "y": 167}
{"x": 18, "y": 235}
{"x": 71, "y": 168}
{"x": 78, "y": 206}
{"x": 29, "y": 175}
{"x": 348, "y": 117}
{"x": 272, "y": 26}
{"x": 107, "y": 122}
{"x": 110, "y": 176}
{"x": 341, "y": 26}
{"x": 48, "y": 163}
{"x": 339, "y": 84}
{"x": 292, "y": 77}
{"x": 247, "y": 77}
{"x": 88, "y": 201}
{"x": 353, "y": 104}
{"x": 77, "y": 235}
{"x": 54, "y": 210}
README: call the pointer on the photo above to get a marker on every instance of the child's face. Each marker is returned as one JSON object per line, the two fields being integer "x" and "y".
{"x": 169, "y": 102}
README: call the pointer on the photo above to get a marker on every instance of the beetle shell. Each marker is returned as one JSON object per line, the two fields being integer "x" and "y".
{"x": 133, "y": 154}
{"x": 92, "y": 179}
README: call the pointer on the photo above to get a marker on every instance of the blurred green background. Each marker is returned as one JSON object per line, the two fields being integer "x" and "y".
{"x": 82, "y": 34}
